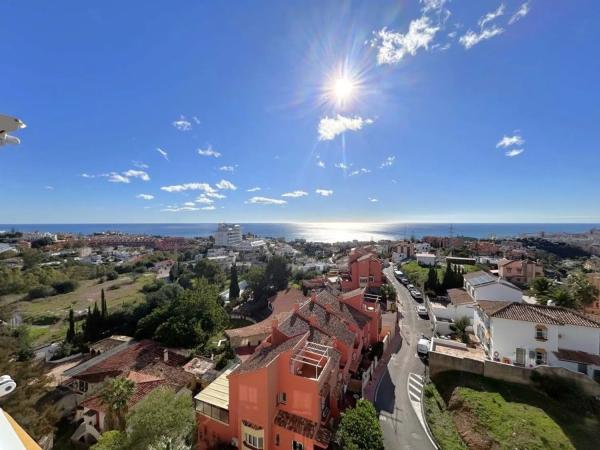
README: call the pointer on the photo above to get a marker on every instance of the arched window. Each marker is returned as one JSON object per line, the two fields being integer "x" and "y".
{"x": 541, "y": 333}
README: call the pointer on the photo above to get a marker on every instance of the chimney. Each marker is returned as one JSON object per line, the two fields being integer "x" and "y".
{"x": 274, "y": 324}
{"x": 166, "y": 355}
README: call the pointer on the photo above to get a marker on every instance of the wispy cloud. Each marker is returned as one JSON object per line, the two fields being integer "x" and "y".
{"x": 392, "y": 47}
{"x": 145, "y": 196}
{"x": 227, "y": 168}
{"x": 342, "y": 166}
{"x": 207, "y": 188}
{"x": 360, "y": 171}
{"x": 163, "y": 153}
{"x": 49, "y": 188}
{"x": 215, "y": 195}
{"x": 470, "y": 38}
{"x": 131, "y": 173}
{"x": 514, "y": 152}
{"x": 208, "y": 151}
{"x": 330, "y": 127}
{"x": 489, "y": 17}
{"x": 508, "y": 141}
{"x": 204, "y": 200}
{"x": 140, "y": 165}
{"x": 295, "y": 194}
{"x": 373, "y": 200}
{"x": 115, "y": 177}
{"x": 266, "y": 201}
{"x": 254, "y": 189}
{"x": 320, "y": 164}
{"x": 208, "y": 208}
{"x": 87, "y": 175}
{"x": 432, "y": 5}
{"x": 389, "y": 161}
{"x": 196, "y": 120}
{"x": 189, "y": 204}
{"x": 182, "y": 124}
{"x": 224, "y": 184}
{"x": 180, "y": 208}
{"x": 324, "y": 192}
{"x": 521, "y": 12}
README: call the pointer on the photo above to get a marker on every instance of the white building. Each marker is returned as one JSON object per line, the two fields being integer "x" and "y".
{"x": 228, "y": 235}
{"x": 530, "y": 335}
{"x": 484, "y": 286}
{"x": 422, "y": 247}
{"x": 426, "y": 259}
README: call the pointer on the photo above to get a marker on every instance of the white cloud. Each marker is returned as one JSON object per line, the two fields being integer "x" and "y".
{"x": 203, "y": 199}
{"x": 208, "y": 208}
{"x": 87, "y": 175}
{"x": 508, "y": 141}
{"x": 189, "y": 204}
{"x": 373, "y": 200}
{"x": 224, "y": 184}
{"x": 49, "y": 188}
{"x": 131, "y": 173}
{"x": 207, "y": 188}
{"x": 140, "y": 164}
{"x": 266, "y": 201}
{"x": 470, "y": 38}
{"x": 196, "y": 120}
{"x": 342, "y": 166}
{"x": 521, "y": 12}
{"x": 489, "y": 17}
{"x": 321, "y": 164}
{"x": 330, "y": 127}
{"x": 432, "y": 5}
{"x": 324, "y": 192}
{"x": 227, "y": 168}
{"x": 254, "y": 189}
{"x": 115, "y": 177}
{"x": 182, "y": 124}
{"x": 180, "y": 208}
{"x": 360, "y": 171}
{"x": 389, "y": 161}
{"x": 163, "y": 153}
{"x": 215, "y": 195}
{"x": 393, "y": 47}
{"x": 295, "y": 194}
{"x": 145, "y": 196}
{"x": 208, "y": 151}
{"x": 514, "y": 152}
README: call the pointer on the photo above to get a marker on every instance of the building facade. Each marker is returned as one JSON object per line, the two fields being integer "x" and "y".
{"x": 228, "y": 235}
{"x": 520, "y": 271}
{"x": 484, "y": 286}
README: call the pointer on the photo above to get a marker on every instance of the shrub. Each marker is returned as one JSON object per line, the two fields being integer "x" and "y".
{"x": 113, "y": 275}
{"x": 62, "y": 287}
{"x": 41, "y": 291}
{"x": 44, "y": 319}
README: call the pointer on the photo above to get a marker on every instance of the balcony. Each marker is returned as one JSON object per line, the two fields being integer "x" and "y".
{"x": 311, "y": 361}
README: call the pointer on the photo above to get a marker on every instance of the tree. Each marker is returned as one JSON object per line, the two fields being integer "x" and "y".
{"x": 540, "y": 288}
{"x": 115, "y": 395}
{"x": 103, "y": 307}
{"x": 562, "y": 297}
{"x": 360, "y": 429}
{"x": 277, "y": 273}
{"x": 449, "y": 277}
{"x": 460, "y": 328}
{"x": 581, "y": 290}
{"x": 388, "y": 293}
{"x": 110, "y": 440}
{"x": 23, "y": 404}
{"x": 205, "y": 268}
{"x": 432, "y": 284}
{"x": 257, "y": 282}
{"x": 161, "y": 415}
{"x": 234, "y": 286}
{"x": 71, "y": 330}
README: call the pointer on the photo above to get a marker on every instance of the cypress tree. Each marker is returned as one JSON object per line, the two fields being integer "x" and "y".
{"x": 234, "y": 287}
{"x": 432, "y": 280}
{"x": 449, "y": 278}
{"x": 103, "y": 309}
{"x": 87, "y": 331}
{"x": 71, "y": 330}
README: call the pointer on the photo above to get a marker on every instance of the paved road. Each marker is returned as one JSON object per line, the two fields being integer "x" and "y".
{"x": 401, "y": 427}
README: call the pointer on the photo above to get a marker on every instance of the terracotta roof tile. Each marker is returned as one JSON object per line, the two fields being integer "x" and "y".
{"x": 459, "y": 297}
{"x": 553, "y": 315}
{"x": 577, "y": 356}
{"x": 265, "y": 354}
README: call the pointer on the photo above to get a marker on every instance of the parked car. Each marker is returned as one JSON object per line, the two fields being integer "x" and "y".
{"x": 423, "y": 347}
{"x": 416, "y": 295}
{"x": 404, "y": 280}
{"x": 410, "y": 287}
{"x": 398, "y": 274}
{"x": 421, "y": 310}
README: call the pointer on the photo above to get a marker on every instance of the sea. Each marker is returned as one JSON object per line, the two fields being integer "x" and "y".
{"x": 319, "y": 232}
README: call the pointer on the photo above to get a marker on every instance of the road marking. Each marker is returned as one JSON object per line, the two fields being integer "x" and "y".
{"x": 414, "y": 387}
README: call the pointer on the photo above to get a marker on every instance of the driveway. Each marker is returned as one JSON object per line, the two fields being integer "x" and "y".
{"x": 401, "y": 426}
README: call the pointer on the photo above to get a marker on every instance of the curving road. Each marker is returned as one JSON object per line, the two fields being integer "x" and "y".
{"x": 401, "y": 426}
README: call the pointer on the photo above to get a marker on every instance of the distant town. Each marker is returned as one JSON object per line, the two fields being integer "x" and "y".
{"x": 256, "y": 342}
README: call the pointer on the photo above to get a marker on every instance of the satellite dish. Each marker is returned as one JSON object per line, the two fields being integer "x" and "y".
{"x": 7, "y": 125}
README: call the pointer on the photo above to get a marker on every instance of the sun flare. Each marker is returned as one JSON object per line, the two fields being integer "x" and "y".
{"x": 343, "y": 89}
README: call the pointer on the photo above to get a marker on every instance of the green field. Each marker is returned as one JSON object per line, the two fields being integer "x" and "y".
{"x": 123, "y": 291}
{"x": 493, "y": 414}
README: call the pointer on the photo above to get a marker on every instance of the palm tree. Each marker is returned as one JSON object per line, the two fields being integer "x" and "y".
{"x": 540, "y": 288}
{"x": 562, "y": 297}
{"x": 115, "y": 394}
{"x": 460, "y": 328}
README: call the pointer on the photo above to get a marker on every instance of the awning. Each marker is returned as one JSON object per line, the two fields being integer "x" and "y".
{"x": 12, "y": 436}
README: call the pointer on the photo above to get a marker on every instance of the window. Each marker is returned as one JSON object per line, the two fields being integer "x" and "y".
{"x": 541, "y": 333}
{"x": 297, "y": 445}
{"x": 582, "y": 368}
{"x": 277, "y": 439}
{"x": 281, "y": 397}
{"x": 253, "y": 441}
{"x": 540, "y": 356}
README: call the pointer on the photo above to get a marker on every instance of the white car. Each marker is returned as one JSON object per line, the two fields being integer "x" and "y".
{"x": 410, "y": 287}
{"x": 421, "y": 310}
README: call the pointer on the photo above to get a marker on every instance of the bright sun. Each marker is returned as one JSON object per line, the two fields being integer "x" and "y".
{"x": 343, "y": 89}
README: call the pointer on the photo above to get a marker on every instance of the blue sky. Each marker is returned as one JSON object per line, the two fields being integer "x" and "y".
{"x": 241, "y": 95}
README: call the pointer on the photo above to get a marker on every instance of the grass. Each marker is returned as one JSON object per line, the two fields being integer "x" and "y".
{"x": 238, "y": 323}
{"x": 418, "y": 274}
{"x": 119, "y": 293}
{"x": 440, "y": 420}
{"x": 519, "y": 416}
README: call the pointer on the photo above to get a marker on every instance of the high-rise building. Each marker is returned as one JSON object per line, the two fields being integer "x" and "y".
{"x": 228, "y": 235}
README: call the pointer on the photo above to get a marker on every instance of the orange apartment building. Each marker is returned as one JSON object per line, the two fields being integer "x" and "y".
{"x": 364, "y": 270}
{"x": 521, "y": 271}
{"x": 289, "y": 391}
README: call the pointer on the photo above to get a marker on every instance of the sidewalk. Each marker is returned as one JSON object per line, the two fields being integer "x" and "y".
{"x": 371, "y": 388}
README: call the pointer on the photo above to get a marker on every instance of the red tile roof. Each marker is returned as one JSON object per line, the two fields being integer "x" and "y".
{"x": 577, "y": 356}
{"x": 552, "y": 315}
{"x": 459, "y": 297}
